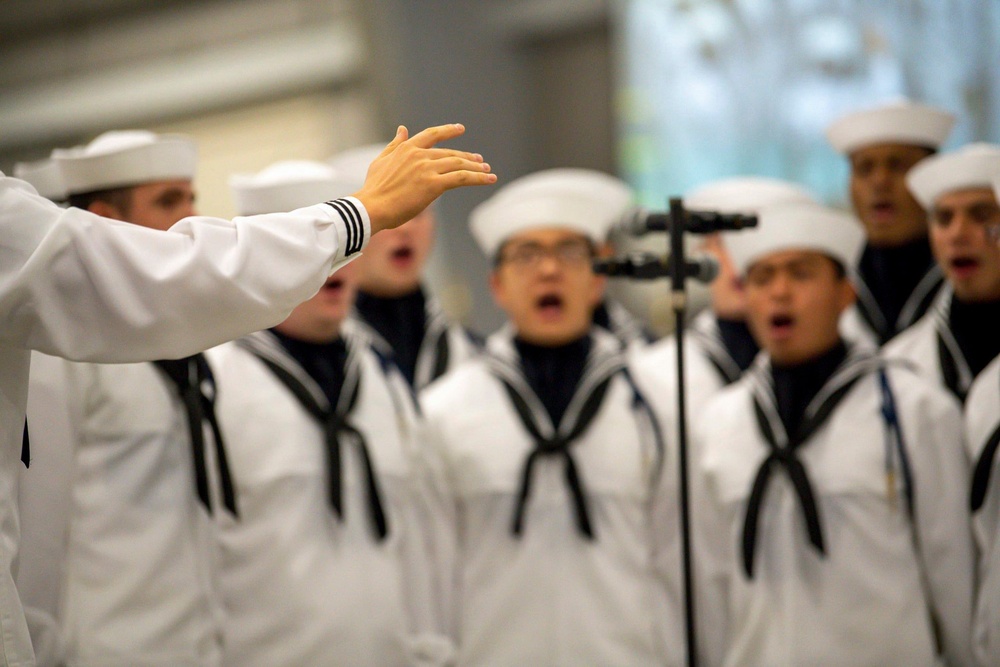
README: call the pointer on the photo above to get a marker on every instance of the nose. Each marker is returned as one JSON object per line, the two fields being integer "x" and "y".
{"x": 779, "y": 287}
{"x": 549, "y": 264}
{"x": 962, "y": 228}
{"x": 881, "y": 176}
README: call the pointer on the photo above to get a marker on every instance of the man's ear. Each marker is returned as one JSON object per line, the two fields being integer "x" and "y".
{"x": 106, "y": 210}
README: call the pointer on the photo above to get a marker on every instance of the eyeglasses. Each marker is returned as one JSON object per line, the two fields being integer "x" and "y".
{"x": 530, "y": 255}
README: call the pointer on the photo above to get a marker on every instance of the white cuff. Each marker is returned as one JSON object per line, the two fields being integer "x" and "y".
{"x": 355, "y": 228}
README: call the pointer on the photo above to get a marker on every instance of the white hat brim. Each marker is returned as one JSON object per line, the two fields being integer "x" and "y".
{"x": 166, "y": 158}
{"x": 583, "y": 200}
{"x": 972, "y": 166}
{"x": 798, "y": 226}
{"x": 284, "y": 186}
{"x": 907, "y": 123}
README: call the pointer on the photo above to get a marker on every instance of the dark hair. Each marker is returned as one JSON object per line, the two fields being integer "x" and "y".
{"x": 120, "y": 198}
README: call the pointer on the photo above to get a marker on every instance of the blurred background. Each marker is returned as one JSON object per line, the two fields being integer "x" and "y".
{"x": 667, "y": 94}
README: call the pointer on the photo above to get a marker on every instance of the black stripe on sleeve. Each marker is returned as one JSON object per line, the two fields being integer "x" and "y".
{"x": 347, "y": 223}
{"x": 356, "y": 216}
{"x": 352, "y": 220}
{"x": 338, "y": 206}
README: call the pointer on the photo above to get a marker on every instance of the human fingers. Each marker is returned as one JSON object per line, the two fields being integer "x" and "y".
{"x": 434, "y": 135}
{"x": 458, "y": 163}
{"x": 440, "y": 153}
{"x": 457, "y": 179}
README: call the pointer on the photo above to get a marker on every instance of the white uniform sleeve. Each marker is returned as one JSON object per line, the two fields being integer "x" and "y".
{"x": 79, "y": 286}
{"x": 943, "y": 527}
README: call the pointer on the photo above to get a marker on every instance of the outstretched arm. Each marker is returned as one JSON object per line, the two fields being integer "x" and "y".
{"x": 79, "y": 286}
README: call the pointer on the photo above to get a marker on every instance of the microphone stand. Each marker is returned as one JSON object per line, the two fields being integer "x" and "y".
{"x": 677, "y": 269}
{"x": 678, "y": 303}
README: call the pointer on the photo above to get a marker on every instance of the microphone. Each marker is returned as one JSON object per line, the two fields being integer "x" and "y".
{"x": 639, "y": 221}
{"x": 646, "y": 266}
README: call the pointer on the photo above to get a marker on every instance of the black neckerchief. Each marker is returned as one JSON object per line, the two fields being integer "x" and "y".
{"x": 551, "y": 440}
{"x": 975, "y": 327}
{"x": 739, "y": 342}
{"x": 983, "y": 470}
{"x": 192, "y": 378}
{"x": 402, "y": 322}
{"x": 554, "y": 373}
{"x": 25, "y": 446}
{"x": 897, "y": 285}
{"x": 334, "y": 418}
{"x": 783, "y": 445}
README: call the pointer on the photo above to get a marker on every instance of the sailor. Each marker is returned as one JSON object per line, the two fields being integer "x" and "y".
{"x": 328, "y": 561}
{"x": 553, "y": 461}
{"x": 392, "y": 297}
{"x": 88, "y": 288}
{"x": 835, "y": 485}
{"x": 719, "y": 346}
{"x": 957, "y": 338}
{"x": 982, "y": 437}
{"x": 897, "y": 278}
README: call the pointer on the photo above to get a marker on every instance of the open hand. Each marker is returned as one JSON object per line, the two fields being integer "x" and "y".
{"x": 411, "y": 173}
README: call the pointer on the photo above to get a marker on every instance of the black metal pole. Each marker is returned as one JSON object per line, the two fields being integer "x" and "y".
{"x": 678, "y": 302}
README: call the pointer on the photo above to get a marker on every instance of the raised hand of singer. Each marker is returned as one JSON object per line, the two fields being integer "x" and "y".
{"x": 412, "y": 172}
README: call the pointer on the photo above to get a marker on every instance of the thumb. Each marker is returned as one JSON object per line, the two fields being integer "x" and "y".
{"x": 402, "y": 134}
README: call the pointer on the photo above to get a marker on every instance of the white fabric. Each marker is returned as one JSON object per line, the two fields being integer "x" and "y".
{"x": 83, "y": 287}
{"x": 625, "y": 326}
{"x": 582, "y": 200}
{"x": 864, "y": 602}
{"x": 284, "y": 186}
{"x": 551, "y": 597}
{"x": 657, "y": 365}
{"x": 854, "y": 328}
{"x": 982, "y": 413}
{"x": 352, "y": 165}
{"x": 745, "y": 194}
{"x": 118, "y": 550}
{"x": 798, "y": 226}
{"x": 302, "y": 588}
{"x": 655, "y": 371}
{"x": 918, "y": 345}
{"x": 44, "y": 176}
{"x": 972, "y": 166}
{"x": 900, "y": 122}
{"x": 122, "y": 158}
